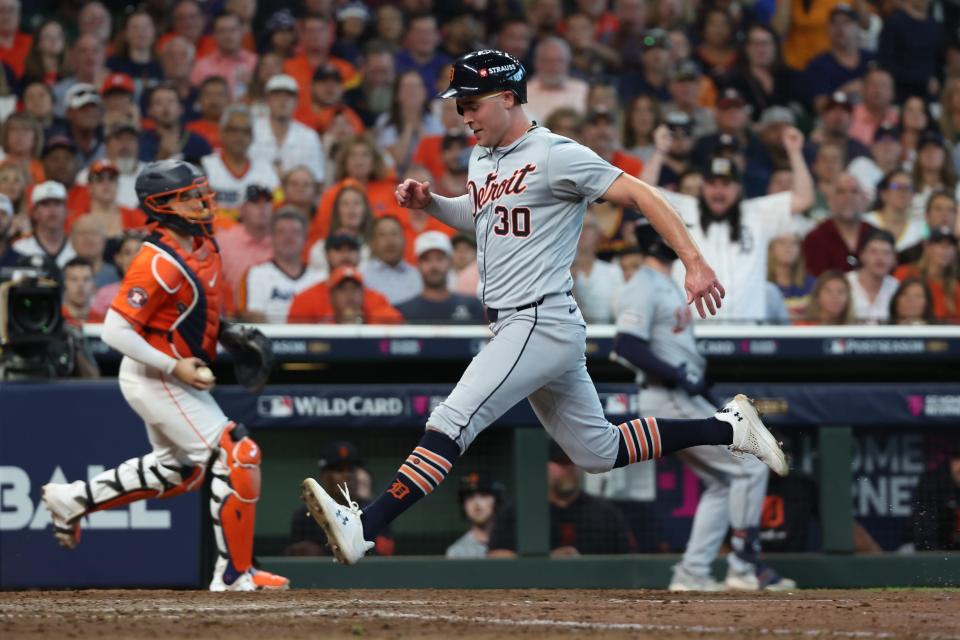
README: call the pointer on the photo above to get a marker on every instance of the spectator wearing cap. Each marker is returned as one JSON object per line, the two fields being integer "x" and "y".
{"x": 673, "y": 155}
{"x": 580, "y": 524}
{"x": 117, "y": 95}
{"x": 932, "y": 171}
{"x": 911, "y": 46}
{"x": 21, "y": 143}
{"x": 878, "y": 106}
{"x": 684, "y": 90}
{"x": 436, "y": 304}
{"x": 590, "y": 57}
{"x": 326, "y": 103}
{"x": 371, "y": 96}
{"x": 61, "y": 164}
{"x": 267, "y": 289}
{"x": 280, "y": 34}
{"x": 343, "y": 299}
{"x": 213, "y": 97}
{"x": 419, "y": 53}
{"x": 122, "y": 146}
{"x": 834, "y": 127}
{"x": 842, "y": 66}
{"x": 90, "y": 242}
{"x": 387, "y": 271}
{"x": 103, "y": 183}
{"x": 939, "y": 269}
{"x": 600, "y": 134}
{"x": 835, "y": 243}
{"x": 340, "y": 464}
{"x": 653, "y": 76}
{"x": 280, "y": 139}
{"x": 597, "y": 283}
{"x": 941, "y": 212}
{"x": 309, "y": 305}
{"x": 48, "y": 215}
{"x": 232, "y": 169}
{"x": 803, "y": 27}
{"x": 14, "y": 44}
{"x": 168, "y": 139}
{"x": 88, "y": 59}
{"x": 189, "y": 21}
{"x": 871, "y": 285}
{"x": 885, "y": 154}
{"x": 84, "y": 117}
{"x": 134, "y": 52}
{"x": 248, "y": 243}
{"x": 551, "y": 86}
{"x": 734, "y": 233}
{"x": 352, "y": 20}
{"x": 176, "y": 59}
{"x": 316, "y": 39}
{"x": 230, "y": 60}
{"x": 479, "y": 497}
{"x": 893, "y": 211}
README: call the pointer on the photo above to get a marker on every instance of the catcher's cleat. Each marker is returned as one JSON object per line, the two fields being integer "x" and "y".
{"x": 750, "y": 435}
{"x": 341, "y": 524}
{"x": 65, "y": 511}
{"x": 684, "y": 580}
{"x": 266, "y": 581}
{"x": 223, "y": 581}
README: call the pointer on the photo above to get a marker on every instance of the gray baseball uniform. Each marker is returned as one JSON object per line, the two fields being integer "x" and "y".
{"x": 654, "y": 308}
{"x": 528, "y": 201}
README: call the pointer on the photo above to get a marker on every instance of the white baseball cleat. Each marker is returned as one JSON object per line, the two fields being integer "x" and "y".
{"x": 742, "y": 580}
{"x": 243, "y": 582}
{"x": 684, "y": 580}
{"x": 341, "y": 524}
{"x": 750, "y": 435}
{"x": 65, "y": 511}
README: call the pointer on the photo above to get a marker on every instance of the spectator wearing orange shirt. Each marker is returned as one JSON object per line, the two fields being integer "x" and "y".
{"x": 103, "y": 184}
{"x": 14, "y": 45}
{"x": 347, "y": 302}
{"x": 600, "y": 134}
{"x": 327, "y": 102}
{"x": 313, "y": 304}
{"x": 78, "y": 290}
{"x": 940, "y": 270}
{"x": 212, "y": 98}
{"x": 357, "y": 162}
{"x": 316, "y": 39}
{"x": 189, "y": 22}
{"x": 230, "y": 61}
{"x": 878, "y": 106}
{"x": 429, "y": 152}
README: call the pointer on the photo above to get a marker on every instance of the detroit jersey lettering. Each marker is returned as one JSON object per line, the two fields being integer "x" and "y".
{"x": 528, "y": 203}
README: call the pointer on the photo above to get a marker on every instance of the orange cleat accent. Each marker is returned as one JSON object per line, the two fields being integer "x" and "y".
{"x": 268, "y": 581}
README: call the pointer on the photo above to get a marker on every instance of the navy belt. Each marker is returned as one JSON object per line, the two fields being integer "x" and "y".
{"x": 494, "y": 314}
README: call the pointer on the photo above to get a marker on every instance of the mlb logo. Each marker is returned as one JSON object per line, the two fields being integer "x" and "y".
{"x": 483, "y": 73}
{"x": 617, "y": 404}
{"x": 275, "y": 406}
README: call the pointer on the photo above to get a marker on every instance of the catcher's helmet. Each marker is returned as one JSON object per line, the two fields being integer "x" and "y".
{"x": 486, "y": 71}
{"x": 176, "y": 194}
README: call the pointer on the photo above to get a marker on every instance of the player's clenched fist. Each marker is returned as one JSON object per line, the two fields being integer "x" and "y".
{"x": 413, "y": 195}
{"x": 187, "y": 372}
{"x": 792, "y": 139}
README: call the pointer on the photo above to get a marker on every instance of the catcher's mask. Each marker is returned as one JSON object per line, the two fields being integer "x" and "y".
{"x": 177, "y": 195}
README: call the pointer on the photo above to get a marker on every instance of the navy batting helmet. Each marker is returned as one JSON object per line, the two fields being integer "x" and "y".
{"x": 176, "y": 194}
{"x": 479, "y": 482}
{"x": 486, "y": 71}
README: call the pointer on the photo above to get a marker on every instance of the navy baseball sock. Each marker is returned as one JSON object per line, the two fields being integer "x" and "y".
{"x": 649, "y": 438}
{"x": 420, "y": 474}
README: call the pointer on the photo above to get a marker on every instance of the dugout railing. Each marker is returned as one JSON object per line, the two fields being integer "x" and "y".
{"x": 70, "y": 427}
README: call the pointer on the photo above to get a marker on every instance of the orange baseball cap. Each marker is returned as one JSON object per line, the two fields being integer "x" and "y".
{"x": 345, "y": 273}
{"x": 103, "y": 166}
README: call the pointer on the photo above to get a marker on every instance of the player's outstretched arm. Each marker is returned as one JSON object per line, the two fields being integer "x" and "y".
{"x": 802, "y": 190}
{"x": 455, "y": 212}
{"x": 703, "y": 288}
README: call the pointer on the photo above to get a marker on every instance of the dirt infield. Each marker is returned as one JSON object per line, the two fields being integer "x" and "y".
{"x": 469, "y": 615}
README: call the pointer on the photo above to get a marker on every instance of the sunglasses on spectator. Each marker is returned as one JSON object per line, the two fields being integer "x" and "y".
{"x": 105, "y": 176}
{"x": 900, "y": 186}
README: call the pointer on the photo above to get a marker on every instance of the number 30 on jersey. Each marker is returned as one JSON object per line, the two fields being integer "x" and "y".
{"x": 515, "y": 222}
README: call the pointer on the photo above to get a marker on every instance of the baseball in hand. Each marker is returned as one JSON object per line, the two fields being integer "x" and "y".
{"x": 205, "y": 374}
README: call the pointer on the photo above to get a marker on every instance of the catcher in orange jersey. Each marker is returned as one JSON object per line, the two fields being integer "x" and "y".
{"x": 165, "y": 321}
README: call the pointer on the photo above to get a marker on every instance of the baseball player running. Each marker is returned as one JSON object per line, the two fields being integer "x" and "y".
{"x": 165, "y": 321}
{"x": 655, "y": 339}
{"x": 527, "y": 191}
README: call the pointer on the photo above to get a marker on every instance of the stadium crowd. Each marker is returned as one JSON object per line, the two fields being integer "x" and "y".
{"x": 304, "y": 118}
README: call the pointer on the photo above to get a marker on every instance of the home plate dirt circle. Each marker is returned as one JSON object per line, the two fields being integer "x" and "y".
{"x": 487, "y": 614}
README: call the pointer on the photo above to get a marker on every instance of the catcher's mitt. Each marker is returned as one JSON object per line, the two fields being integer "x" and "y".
{"x": 252, "y": 354}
